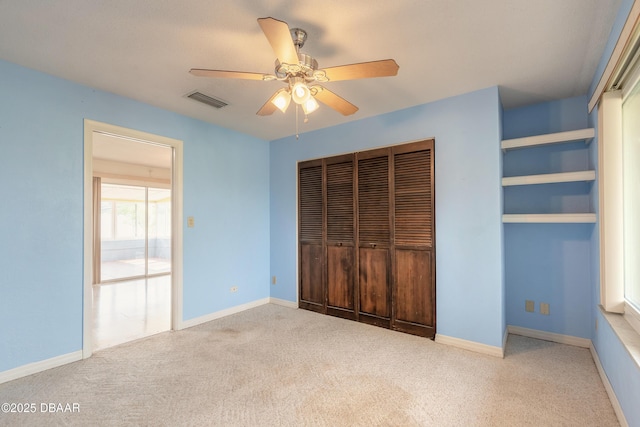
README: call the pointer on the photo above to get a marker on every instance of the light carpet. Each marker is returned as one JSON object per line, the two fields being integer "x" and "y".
{"x": 276, "y": 366}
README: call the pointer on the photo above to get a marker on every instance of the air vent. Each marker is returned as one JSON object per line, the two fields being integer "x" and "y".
{"x": 206, "y": 99}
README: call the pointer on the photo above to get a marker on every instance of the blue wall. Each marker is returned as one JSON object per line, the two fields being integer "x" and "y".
{"x": 469, "y": 270}
{"x": 548, "y": 262}
{"x": 41, "y": 221}
{"x": 621, "y": 370}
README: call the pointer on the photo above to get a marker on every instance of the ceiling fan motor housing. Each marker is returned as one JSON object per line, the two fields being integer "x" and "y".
{"x": 305, "y": 67}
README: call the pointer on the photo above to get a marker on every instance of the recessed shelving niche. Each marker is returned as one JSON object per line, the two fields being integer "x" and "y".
{"x": 549, "y": 178}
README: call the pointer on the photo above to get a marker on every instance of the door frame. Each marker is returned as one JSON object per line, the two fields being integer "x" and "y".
{"x": 91, "y": 126}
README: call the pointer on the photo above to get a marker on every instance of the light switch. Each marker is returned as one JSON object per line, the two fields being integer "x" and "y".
{"x": 190, "y": 222}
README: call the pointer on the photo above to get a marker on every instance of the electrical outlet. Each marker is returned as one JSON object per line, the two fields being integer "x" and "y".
{"x": 544, "y": 308}
{"x": 529, "y": 306}
{"x": 233, "y": 289}
{"x": 190, "y": 222}
{"x": 273, "y": 280}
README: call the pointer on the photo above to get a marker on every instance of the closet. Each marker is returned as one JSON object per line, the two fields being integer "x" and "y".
{"x": 366, "y": 237}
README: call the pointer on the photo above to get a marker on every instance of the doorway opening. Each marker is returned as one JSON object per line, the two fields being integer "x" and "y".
{"x": 133, "y": 238}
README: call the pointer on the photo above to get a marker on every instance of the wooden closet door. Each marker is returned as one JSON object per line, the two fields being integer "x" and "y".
{"x": 374, "y": 236}
{"x": 310, "y": 236}
{"x": 340, "y": 240}
{"x": 414, "y": 261}
{"x": 367, "y": 237}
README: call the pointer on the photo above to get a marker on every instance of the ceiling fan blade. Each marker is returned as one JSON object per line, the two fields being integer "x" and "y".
{"x": 363, "y": 70}
{"x": 269, "y": 107}
{"x": 279, "y": 37}
{"x": 334, "y": 101}
{"x": 226, "y": 74}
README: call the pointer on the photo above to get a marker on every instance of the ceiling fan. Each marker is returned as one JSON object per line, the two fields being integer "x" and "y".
{"x": 301, "y": 73}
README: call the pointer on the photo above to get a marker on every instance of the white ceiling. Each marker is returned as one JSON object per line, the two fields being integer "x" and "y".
{"x": 124, "y": 150}
{"x": 535, "y": 50}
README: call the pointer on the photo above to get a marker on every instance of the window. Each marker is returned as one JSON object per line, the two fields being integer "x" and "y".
{"x": 631, "y": 194}
{"x": 619, "y": 177}
{"x": 135, "y": 235}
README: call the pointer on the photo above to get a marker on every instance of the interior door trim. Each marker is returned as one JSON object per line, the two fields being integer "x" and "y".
{"x": 90, "y": 127}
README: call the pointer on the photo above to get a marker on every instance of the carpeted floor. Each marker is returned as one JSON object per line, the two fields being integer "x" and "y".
{"x": 276, "y": 366}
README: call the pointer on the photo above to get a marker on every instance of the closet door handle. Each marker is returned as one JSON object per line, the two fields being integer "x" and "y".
{"x": 373, "y": 245}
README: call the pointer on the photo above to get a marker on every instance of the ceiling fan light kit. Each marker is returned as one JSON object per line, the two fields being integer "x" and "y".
{"x": 300, "y": 72}
{"x": 299, "y": 90}
{"x": 282, "y": 100}
{"x": 310, "y": 105}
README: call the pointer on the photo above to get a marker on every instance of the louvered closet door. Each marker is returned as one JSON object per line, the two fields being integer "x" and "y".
{"x": 374, "y": 236}
{"x": 340, "y": 236}
{"x": 414, "y": 261}
{"x": 310, "y": 236}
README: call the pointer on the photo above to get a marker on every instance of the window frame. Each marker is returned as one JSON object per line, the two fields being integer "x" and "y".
{"x": 631, "y": 312}
{"x": 610, "y": 202}
{"x": 611, "y": 196}
{"x": 632, "y": 316}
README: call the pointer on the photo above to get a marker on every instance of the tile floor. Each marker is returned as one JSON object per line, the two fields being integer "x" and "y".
{"x": 126, "y": 311}
{"x": 114, "y": 270}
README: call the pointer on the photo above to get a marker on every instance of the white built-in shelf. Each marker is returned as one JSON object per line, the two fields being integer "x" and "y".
{"x": 550, "y": 138}
{"x": 549, "y": 178}
{"x": 551, "y": 218}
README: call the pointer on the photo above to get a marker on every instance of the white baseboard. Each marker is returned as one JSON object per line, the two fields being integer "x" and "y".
{"x": 283, "y": 302}
{"x": 607, "y": 386}
{"x": 223, "y": 313}
{"x": 470, "y": 345}
{"x": 550, "y": 336}
{"x": 43, "y": 365}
